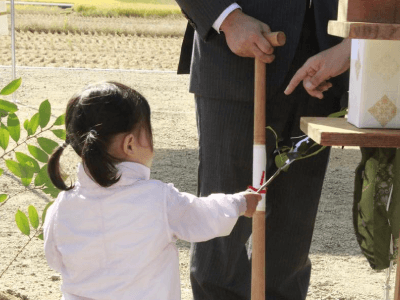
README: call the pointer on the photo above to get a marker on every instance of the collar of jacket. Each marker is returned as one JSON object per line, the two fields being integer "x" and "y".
{"x": 130, "y": 173}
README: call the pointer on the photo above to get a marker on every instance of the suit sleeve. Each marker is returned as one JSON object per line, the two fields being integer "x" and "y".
{"x": 201, "y": 14}
{"x": 197, "y": 219}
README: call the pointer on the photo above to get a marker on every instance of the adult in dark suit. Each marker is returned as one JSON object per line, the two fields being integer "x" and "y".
{"x": 221, "y": 66}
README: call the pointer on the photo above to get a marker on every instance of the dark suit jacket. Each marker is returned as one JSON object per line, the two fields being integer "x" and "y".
{"x": 218, "y": 73}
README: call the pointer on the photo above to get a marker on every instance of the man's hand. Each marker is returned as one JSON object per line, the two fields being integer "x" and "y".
{"x": 318, "y": 69}
{"x": 246, "y": 36}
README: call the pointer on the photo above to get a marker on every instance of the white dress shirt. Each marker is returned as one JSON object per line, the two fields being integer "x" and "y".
{"x": 118, "y": 243}
{"x": 218, "y": 22}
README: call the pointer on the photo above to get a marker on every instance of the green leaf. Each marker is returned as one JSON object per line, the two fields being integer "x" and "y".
{"x": 3, "y": 197}
{"x": 47, "y": 144}
{"x": 3, "y": 113}
{"x": 60, "y": 133}
{"x": 42, "y": 177}
{"x": 52, "y": 191}
{"x": 45, "y": 211}
{"x": 4, "y": 136}
{"x": 1, "y": 171}
{"x": 22, "y": 222}
{"x": 276, "y": 136}
{"x": 40, "y": 236}
{"x": 11, "y": 87}
{"x": 60, "y": 120}
{"x": 338, "y": 114}
{"x": 14, "y": 127}
{"x": 33, "y": 124}
{"x": 38, "y": 153}
{"x": 8, "y": 106}
{"x": 33, "y": 216}
{"x": 14, "y": 167}
{"x": 27, "y": 161}
{"x": 21, "y": 171}
{"x": 26, "y": 125}
{"x": 27, "y": 175}
{"x": 280, "y": 160}
{"x": 44, "y": 113}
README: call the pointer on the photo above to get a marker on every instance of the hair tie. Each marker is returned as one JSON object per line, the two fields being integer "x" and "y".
{"x": 64, "y": 145}
{"x": 93, "y": 132}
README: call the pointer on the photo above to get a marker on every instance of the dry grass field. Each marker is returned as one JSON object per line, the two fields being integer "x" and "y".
{"x": 340, "y": 272}
{"x": 115, "y": 8}
{"x": 143, "y": 44}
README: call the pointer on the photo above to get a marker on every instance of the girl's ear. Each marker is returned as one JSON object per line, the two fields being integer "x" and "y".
{"x": 129, "y": 145}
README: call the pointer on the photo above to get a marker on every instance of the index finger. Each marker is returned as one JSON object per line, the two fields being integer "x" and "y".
{"x": 297, "y": 78}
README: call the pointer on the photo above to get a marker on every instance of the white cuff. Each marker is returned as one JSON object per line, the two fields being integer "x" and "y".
{"x": 225, "y": 13}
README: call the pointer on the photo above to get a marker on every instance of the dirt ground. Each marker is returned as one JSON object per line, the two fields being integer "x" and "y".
{"x": 339, "y": 270}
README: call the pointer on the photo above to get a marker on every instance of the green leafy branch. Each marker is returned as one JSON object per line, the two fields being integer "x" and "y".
{"x": 24, "y": 226}
{"x": 27, "y": 158}
{"x": 303, "y": 149}
{"x": 24, "y": 166}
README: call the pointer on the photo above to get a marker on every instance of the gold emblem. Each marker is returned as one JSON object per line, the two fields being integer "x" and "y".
{"x": 383, "y": 111}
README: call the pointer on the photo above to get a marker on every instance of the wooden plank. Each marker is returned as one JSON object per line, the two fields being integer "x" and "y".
{"x": 369, "y": 11}
{"x": 372, "y": 11}
{"x": 338, "y": 132}
{"x": 342, "y": 10}
{"x": 357, "y": 30}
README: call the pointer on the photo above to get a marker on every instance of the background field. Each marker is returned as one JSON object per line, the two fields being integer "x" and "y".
{"x": 115, "y": 8}
{"x": 340, "y": 272}
{"x": 99, "y": 2}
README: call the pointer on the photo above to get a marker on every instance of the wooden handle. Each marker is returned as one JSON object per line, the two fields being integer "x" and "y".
{"x": 259, "y": 102}
{"x": 258, "y": 257}
{"x": 276, "y": 39}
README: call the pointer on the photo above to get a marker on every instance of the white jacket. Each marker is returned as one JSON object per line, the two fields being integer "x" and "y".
{"x": 118, "y": 243}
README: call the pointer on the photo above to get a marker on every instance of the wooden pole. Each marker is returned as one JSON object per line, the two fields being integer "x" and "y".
{"x": 259, "y": 166}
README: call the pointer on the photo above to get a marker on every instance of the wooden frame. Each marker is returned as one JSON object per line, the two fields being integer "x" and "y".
{"x": 337, "y": 132}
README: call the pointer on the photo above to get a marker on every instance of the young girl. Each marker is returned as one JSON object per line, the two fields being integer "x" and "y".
{"x": 112, "y": 235}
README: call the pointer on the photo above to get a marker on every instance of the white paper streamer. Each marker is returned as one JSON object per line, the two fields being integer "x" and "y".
{"x": 259, "y": 165}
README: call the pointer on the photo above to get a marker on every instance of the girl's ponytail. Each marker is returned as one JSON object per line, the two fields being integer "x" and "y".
{"x": 97, "y": 162}
{"x": 53, "y": 169}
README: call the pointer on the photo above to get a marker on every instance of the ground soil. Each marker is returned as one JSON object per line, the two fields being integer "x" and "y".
{"x": 339, "y": 270}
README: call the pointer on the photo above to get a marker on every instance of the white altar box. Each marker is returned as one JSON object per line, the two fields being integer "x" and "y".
{"x": 374, "y": 96}
{"x": 3, "y": 18}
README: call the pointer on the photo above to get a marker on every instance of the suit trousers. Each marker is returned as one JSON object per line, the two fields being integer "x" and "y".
{"x": 221, "y": 268}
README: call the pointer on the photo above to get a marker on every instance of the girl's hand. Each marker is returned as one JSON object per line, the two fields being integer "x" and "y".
{"x": 252, "y": 200}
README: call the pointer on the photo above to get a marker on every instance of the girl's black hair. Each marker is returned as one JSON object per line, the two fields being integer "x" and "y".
{"x": 93, "y": 117}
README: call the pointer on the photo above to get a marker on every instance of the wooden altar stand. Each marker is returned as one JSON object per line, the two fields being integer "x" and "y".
{"x": 366, "y": 20}
{"x": 338, "y": 132}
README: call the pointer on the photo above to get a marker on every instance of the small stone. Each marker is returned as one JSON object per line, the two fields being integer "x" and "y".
{"x": 55, "y": 277}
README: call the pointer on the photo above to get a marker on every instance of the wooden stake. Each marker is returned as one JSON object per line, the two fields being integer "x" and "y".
{"x": 258, "y": 252}
{"x": 259, "y": 166}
